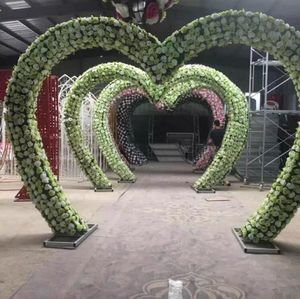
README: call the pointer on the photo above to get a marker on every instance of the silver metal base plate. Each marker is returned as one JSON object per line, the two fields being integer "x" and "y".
{"x": 204, "y": 190}
{"x": 218, "y": 198}
{"x": 127, "y": 181}
{"x": 259, "y": 248}
{"x": 69, "y": 242}
{"x": 103, "y": 189}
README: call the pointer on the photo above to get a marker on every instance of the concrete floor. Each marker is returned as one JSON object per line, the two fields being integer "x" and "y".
{"x": 155, "y": 229}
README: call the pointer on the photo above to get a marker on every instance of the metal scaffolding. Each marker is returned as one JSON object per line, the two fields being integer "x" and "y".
{"x": 265, "y": 112}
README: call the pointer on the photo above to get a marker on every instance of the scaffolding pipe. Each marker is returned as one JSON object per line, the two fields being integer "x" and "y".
{"x": 251, "y": 87}
{"x": 266, "y": 76}
{"x": 263, "y": 60}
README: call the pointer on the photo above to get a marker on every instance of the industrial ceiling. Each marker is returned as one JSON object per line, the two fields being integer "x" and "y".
{"x": 21, "y": 21}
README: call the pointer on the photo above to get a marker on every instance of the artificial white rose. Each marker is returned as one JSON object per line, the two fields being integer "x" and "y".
{"x": 122, "y": 9}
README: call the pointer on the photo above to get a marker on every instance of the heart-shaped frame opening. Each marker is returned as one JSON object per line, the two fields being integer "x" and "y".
{"x": 168, "y": 94}
{"x": 129, "y": 100}
{"x": 186, "y": 79}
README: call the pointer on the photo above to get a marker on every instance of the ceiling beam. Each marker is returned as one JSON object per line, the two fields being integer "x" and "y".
{"x": 10, "y": 47}
{"x": 39, "y": 11}
{"x": 52, "y": 21}
{"x": 13, "y": 34}
{"x": 31, "y": 27}
{"x": 32, "y": 4}
{"x": 4, "y": 7}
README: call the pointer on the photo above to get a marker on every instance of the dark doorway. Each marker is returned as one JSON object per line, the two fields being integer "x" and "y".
{"x": 152, "y": 126}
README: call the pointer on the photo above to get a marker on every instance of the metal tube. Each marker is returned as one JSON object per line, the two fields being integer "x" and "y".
{"x": 268, "y": 150}
{"x": 276, "y": 158}
{"x": 286, "y": 80}
{"x": 266, "y": 75}
{"x": 249, "y": 108}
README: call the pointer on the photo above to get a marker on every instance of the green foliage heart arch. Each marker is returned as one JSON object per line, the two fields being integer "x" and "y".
{"x": 82, "y": 86}
{"x": 185, "y": 79}
{"x": 159, "y": 60}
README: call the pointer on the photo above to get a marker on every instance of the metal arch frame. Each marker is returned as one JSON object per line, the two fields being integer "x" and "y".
{"x": 262, "y": 59}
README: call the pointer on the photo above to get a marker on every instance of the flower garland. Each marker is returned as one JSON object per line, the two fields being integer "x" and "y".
{"x": 142, "y": 11}
{"x": 203, "y": 159}
{"x": 103, "y": 133}
{"x": 187, "y": 78}
{"x": 214, "y": 102}
{"x": 131, "y": 98}
{"x": 128, "y": 101}
{"x": 82, "y": 86}
{"x": 160, "y": 60}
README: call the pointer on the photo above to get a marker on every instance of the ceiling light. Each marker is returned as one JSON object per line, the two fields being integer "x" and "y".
{"x": 17, "y": 4}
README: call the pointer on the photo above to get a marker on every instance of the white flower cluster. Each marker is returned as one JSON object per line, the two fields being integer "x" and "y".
{"x": 103, "y": 132}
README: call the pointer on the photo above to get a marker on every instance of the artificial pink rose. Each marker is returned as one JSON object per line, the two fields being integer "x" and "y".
{"x": 118, "y": 16}
{"x": 152, "y": 11}
{"x": 152, "y": 21}
{"x": 159, "y": 106}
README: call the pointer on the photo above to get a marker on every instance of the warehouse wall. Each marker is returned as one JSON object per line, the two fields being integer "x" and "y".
{"x": 237, "y": 73}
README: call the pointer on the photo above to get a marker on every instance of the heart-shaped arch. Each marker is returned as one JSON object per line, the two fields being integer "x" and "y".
{"x": 82, "y": 86}
{"x": 103, "y": 132}
{"x": 192, "y": 76}
{"x": 131, "y": 98}
{"x": 186, "y": 79}
{"x": 160, "y": 60}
